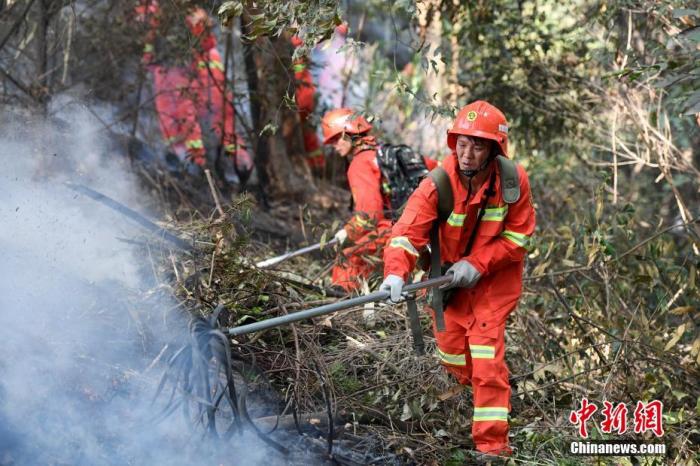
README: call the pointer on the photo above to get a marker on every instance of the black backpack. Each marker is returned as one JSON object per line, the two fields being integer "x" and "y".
{"x": 403, "y": 169}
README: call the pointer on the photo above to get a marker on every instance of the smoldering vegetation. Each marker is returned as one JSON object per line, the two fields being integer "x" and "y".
{"x": 84, "y": 327}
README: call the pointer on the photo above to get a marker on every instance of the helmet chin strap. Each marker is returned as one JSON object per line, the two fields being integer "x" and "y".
{"x": 472, "y": 173}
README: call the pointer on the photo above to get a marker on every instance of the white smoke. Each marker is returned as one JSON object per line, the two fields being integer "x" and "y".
{"x": 77, "y": 335}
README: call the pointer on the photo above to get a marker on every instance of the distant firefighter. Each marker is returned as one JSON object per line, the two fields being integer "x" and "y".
{"x": 305, "y": 96}
{"x": 377, "y": 182}
{"x": 189, "y": 99}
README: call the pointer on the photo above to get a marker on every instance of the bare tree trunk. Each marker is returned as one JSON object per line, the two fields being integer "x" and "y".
{"x": 43, "y": 19}
{"x": 269, "y": 80}
{"x": 260, "y": 145}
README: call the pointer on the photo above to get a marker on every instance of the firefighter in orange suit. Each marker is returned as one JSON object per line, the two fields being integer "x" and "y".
{"x": 368, "y": 229}
{"x": 486, "y": 278}
{"x": 186, "y": 99}
{"x": 305, "y": 97}
{"x": 208, "y": 86}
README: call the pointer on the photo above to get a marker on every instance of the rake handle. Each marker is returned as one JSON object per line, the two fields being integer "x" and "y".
{"x": 333, "y": 307}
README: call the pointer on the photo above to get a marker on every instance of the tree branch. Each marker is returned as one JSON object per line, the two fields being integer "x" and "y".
{"x": 17, "y": 24}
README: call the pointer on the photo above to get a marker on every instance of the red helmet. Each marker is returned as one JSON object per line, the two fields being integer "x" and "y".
{"x": 343, "y": 120}
{"x": 342, "y": 29}
{"x": 296, "y": 41}
{"x": 482, "y": 120}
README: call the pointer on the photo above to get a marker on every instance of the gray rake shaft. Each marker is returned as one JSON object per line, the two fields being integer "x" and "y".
{"x": 334, "y": 307}
{"x": 298, "y": 252}
{"x": 130, "y": 213}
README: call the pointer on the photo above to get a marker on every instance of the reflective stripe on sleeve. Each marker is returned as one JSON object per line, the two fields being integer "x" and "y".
{"x": 298, "y": 67}
{"x": 403, "y": 243}
{"x": 217, "y": 65}
{"x": 495, "y": 214}
{"x": 361, "y": 222}
{"x": 194, "y": 144}
{"x": 496, "y": 413}
{"x": 452, "y": 359}
{"x": 518, "y": 239}
{"x": 456, "y": 220}
{"x": 214, "y": 64}
{"x": 482, "y": 351}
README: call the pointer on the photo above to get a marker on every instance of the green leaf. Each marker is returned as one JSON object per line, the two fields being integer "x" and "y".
{"x": 681, "y": 310}
{"x": 458, "y": 458}
{"x": 676, "y": 337}
{"x": 679, "y": 394}
{"x": 406, "y": 414}
{"x": 680, "y": 12}
{"x": 442, "y": 433}
{"x": 692, "y": 104}
{"x": 230, "y": 9}
{"x": 269, "y": 129}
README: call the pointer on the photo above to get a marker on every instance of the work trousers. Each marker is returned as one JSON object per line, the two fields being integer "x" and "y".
{"x": 476, "y": 357}
{"x": 349, "y": 271}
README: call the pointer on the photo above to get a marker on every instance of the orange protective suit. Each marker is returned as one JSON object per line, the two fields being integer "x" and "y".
{"x": 368, "y": 229}
{"x": 187, "y": 98}
{"x": 305, "y": 97}
{"x": 472, "y": 346}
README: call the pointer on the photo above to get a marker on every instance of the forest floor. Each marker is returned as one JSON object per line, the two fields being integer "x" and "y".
{"x": 357, "y": 368}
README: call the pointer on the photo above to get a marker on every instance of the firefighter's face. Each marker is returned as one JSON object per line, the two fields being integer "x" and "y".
{"x": 343, "y": 145}
{"x": 472, "y": 152}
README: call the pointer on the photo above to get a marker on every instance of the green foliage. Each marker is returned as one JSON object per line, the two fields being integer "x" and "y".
{"x": 458, "y": 457}
{"x": 671, "y": 60}
{"x": 344, "y": 381}
{"x": 313, "y": 21}
{"x": 532, "y": 59}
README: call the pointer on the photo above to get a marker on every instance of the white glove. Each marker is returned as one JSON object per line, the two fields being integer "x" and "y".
{"x": 464, "y": 275}
{"x": 393, "y": 284}
{"x": 341, "y": 236}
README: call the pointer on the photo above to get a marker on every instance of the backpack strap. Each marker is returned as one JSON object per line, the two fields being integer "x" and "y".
{"x": 510, "y": 182}
{"x": 446, "y": 199}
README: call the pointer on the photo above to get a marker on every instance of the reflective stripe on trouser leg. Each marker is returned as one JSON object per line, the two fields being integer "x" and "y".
{"x": 452, "y": 350}
{"x": 491, "y": 390}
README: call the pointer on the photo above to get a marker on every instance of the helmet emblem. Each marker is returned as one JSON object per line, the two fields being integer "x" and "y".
{"x": 471, "y": 116}
{"x": 341, "y": 120}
